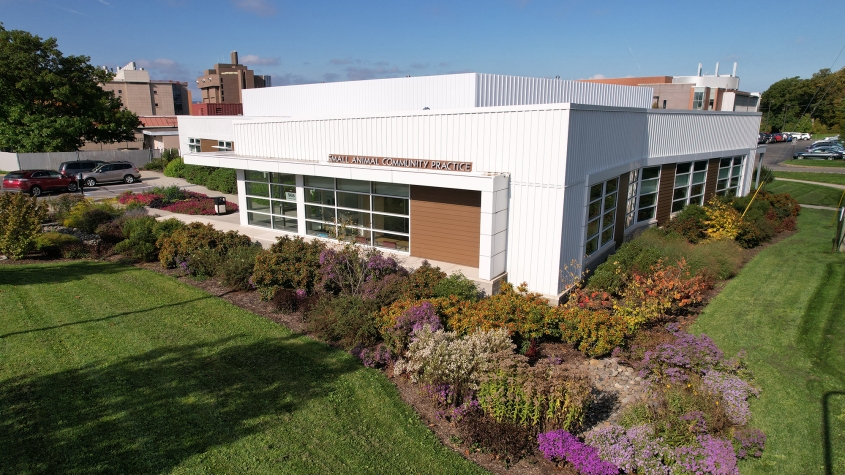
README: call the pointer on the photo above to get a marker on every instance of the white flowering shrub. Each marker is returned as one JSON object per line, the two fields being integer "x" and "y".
{"x": 442, "y": 358}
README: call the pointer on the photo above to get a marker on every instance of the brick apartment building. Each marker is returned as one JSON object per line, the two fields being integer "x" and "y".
{"x": 224, "y": 83}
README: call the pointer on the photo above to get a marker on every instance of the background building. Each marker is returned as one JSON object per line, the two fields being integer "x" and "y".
{"x": 224, "y": 83}
{"x": 699, "y": 92}
{"x": 507, "y": 177}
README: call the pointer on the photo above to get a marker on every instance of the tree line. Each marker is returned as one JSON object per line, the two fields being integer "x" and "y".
{"x": 815, "y": 105}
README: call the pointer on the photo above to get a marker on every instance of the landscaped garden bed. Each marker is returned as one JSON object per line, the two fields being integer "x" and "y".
{"x": 608, "y": 381}
{"x": 174, "y": 200}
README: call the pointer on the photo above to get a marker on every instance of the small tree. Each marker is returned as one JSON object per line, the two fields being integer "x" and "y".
{"x": 20, "y": 223}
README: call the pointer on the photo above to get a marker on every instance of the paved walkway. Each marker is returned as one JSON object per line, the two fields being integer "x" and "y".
{"x": 829, "y": 185}
{"x": 819, "y": 207}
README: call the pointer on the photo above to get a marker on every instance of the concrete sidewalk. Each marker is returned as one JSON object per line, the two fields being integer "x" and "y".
{"x": 830, "y": 185}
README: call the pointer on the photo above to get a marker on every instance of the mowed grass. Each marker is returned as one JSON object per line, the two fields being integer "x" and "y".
{"x": 835, "y": 178}
{"x": 815, "y": 163}
{"x": 807, "y": 194}
{"x": 786, "y": 308}
{"x": 114, "y": 369}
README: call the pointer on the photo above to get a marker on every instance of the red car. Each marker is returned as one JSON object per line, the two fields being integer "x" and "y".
{"x": 36, "y": 182}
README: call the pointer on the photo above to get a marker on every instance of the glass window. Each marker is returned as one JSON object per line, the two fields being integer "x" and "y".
{"x": 649, "y": 186}
{"x": 690, "y": 178}
{"x": 258, "y": 204}
{"x": 257, "y": 189}
{"x": 391, "y": 205}
{"x": 194, "y": 145}
{"x": 353, "y": 185}
{"x": 255, "y": 176}
{"x": 320, "y": 213}
{"x": 391, "y": 189}
{"x": 353, "y": 200}
{"x": 319, "y": 196}
{"x": 283, "y": 179}
{"x": 730, "y": 169}
{"x": 282, "y": 208}
{"x": 631, "y": 197}
{"x": 698, "y": 98}
{"x": 283, "y": 192}
{"x": 390, "y": 241}
{"x": 258, "y": 219}
{"x": 601, "y": 212}
{"x": 319, "y": 182}
{"x": 391, "y": 223}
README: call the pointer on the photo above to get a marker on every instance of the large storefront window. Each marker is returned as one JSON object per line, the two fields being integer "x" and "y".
{"x": 649, "y": 186}
{"x": 601, "y": 213}
{"x": 689, "y": 184}
{"x": 271, "y": 200}
{"x": 373, "y": 213}
{"x": 730, "y": 169}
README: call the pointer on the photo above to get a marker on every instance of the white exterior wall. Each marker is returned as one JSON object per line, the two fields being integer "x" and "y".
{"x": 452, "y": 91}
{"x": 551, "y": 152}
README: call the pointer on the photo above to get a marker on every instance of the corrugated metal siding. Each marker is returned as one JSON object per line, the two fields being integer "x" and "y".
{"x": 684, "y": 133}
{"x": 535, "y": 218}
{"x": 500, "y": 90}
{"x": 571, "y": 243}
{"x": 361, "y": 97}
{"x": 528, "y": 144}
{"x": 452, "y": 91}
{"x": 600, "y": 140}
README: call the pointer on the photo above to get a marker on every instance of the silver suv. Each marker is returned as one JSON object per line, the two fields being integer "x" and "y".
{"x": 110, "y": 172}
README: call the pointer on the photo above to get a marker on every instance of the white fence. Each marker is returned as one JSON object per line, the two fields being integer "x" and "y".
{"x": 52, "y": 160}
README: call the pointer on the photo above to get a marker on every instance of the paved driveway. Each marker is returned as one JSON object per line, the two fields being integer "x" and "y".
{"x": 779, "y": 152}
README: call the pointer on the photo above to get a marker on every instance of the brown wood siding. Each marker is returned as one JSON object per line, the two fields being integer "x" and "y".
{"x": 664, "y": 196}
{"x": 207, "y": 145}
{"x": 712, "y": 178}
{"x": 621, "y": 203}
{"x": 446, "y": 224}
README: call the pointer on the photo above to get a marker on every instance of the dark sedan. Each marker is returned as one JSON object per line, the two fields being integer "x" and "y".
{"x": 36, "y": 182}
{"x": 828, "y": 153}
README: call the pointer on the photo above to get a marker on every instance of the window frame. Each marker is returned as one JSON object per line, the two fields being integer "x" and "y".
{"x": 724, "y": 186}
{"x": 277, "y": 221}
{"x": 602, "y": 228}
{"x": 194, "y": 145}
{"x": 655, "y": 193}
{"x": 688, "y": 187}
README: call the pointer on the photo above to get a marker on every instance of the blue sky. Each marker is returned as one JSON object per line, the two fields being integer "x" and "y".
{"x": 313, "y": 41}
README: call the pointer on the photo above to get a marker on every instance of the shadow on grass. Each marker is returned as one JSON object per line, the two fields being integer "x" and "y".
{"x": 834, "y": 435}
{"x": 55, "y": 272}
{"x": 110, "y": 317}
{"x": 147, "y": 413}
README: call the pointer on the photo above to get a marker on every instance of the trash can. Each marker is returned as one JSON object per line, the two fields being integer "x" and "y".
{"x": 220, "y": 204}
{"x": 80, "y": 184}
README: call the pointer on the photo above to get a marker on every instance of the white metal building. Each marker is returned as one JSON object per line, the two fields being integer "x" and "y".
{"x": 517, "y": 177}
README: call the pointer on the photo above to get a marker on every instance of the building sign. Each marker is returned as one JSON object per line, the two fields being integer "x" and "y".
{"x": 401, "y": 163}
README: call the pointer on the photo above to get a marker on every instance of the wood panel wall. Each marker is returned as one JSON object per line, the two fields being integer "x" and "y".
{"x": 621, "y": 204}
{"x": 446, "y": 224}
{"x": 207, "y": 145}
{"x": 712, "y": 178}
{"x": 664, "y": 195}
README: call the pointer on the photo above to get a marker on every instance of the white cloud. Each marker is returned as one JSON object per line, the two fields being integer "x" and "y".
{"x": 251, "y": 59}
{"x": 163, "y": 68}
{"x": 104, "y": 2}
{"x": 597, "y": 76}
{"x": 259, "y": 7}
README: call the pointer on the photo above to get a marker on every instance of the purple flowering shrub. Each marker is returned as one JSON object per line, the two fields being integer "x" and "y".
{"x": 356, "y": 270}
{"x": 561, "y": 445}
{"x": 712, "y": 455}
{"x": 634, "y": 450}
{"x": 686, "y": 354}
{"x": 412, "y": 320}
{"x": 734, "y": 393}
{"x": 749, "y": 442}
{"x": 375, "y": 357}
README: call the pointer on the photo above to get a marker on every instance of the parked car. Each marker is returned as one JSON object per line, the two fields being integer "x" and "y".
{"x": 72, "y": 168}
{"x": 111, "y": 172}
{"x": 801, "y": 135}
{"x": 824, "y": 144}
{"x": 762, "y": 138}
{"x": 35, "y": 182}
{"x": 828, "y": 153}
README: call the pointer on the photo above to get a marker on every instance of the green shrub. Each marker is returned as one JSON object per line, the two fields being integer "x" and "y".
{"x": 157, "y": 164}
{"x": 459, "y": 286}
{"x": 545, "y": 396}
{"x": 236, "y": 270}
{"x": 87, "y": 215}
{"x": 346, "y": 320}
{"x": 61, "y": 205}
{"x": 633, "y": 256}
{"x": 290, "y": 263}
{"x": 753, "y": 232}
{"x": 166, "y": 227}
{"x": 197, "y": 174}
{"x": 690, "y": 223}
{"x": 594, "y": 331}
{"x": 169, "y": 194}
{"x": 181, "y": 247}
{"x": 223, "y": 180}
{"x": 422, "y": 281}
{"x": 20, "y": 223}
{"x": 175, "y": 169}
{"x": 141, "y": 234}
{"x": 52, "y": 244}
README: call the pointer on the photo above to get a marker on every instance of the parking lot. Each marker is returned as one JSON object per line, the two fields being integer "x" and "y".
{"x": 783, "y": 151}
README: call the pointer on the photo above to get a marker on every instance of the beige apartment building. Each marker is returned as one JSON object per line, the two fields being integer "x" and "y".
{"x": 224, "y": 83}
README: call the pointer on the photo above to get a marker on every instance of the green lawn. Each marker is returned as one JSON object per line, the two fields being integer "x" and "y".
{"x": 807, "y": 194}
{"x": 835, "y": 178}
{"x": 113, "y": 369}
{"x": 815, "y": 163}
{"x": 786, "y": 309}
